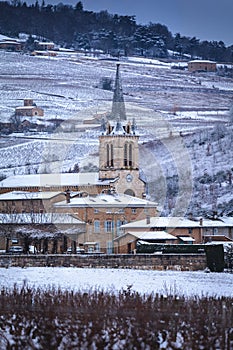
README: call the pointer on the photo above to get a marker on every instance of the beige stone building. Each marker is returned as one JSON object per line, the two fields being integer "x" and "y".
{"x": 29, "y": 109}
{"x": 104, "y": 214}
{"x": 202, "y": 66}
{"x": 177, "y": 230}
{"x": 28, "y": 202}
{"x": 119, "y": 158}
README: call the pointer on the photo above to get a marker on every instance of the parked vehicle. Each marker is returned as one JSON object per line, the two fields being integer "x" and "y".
{"x": 17, "y": 249}
{"x": 78, "y": 250}
{"x": 32, "y": 249}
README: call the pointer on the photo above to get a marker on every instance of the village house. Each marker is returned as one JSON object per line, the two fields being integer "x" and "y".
{"x": 104, "y": 214}
{"x": 47, "y": 232}
{"x": 44, "y": 45}
{"x": 202, "y": 66}
{"x": 28, "y": 202}
{"x": 29, "y": 109}
{"x": 11, "y": 44}
{"x": 176, "y": 230}
{"x": 43, "y": 48}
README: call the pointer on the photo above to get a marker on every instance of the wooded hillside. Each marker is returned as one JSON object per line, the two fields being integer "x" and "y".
{"x": 119, "y": 35}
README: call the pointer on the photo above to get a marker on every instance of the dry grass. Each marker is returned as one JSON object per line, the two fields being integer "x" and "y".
{"x": 55, "y": 319}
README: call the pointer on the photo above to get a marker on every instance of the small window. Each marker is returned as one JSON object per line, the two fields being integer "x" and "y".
{"x": 134, "y": 210}
{"x": 96, "y": 211}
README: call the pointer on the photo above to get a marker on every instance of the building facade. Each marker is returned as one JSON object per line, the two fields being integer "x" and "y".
{"x": 104, "y": 215}
{"x": 29, "y": 109}
{"x": 28, "y": 202}
{"x": 202, "y": 66}
{"x": 176, "y": 230}
{"x": 119, "y": 158}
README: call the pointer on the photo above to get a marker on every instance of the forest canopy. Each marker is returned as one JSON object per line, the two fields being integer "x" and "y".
{"x": 74, "y": 27}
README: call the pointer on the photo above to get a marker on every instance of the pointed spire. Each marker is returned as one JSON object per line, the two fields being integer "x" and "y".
{"x": 118, "y": 104}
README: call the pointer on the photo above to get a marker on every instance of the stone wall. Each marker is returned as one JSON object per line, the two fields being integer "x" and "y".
{"x": 185, "y": 262}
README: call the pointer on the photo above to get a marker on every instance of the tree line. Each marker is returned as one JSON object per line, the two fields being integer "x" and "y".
{"x": 74, "y": 27}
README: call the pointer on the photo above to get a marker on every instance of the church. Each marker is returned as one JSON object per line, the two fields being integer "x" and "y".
{"x": 102, "y": 201}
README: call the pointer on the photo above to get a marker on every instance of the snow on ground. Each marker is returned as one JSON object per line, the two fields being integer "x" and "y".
{"x": 196, "y": 283}
{"x": 164, "y": 102}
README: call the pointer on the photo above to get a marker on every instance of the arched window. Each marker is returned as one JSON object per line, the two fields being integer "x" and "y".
{"x": 130, "y": 155}
{"x": 112, "y": 163}
{"x": 109, "y": 162}
{"x": 126, "y": 154}
{"x": 130, "y": 192}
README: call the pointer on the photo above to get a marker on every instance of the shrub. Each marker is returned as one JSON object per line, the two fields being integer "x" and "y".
{"x": 55, "y": 319}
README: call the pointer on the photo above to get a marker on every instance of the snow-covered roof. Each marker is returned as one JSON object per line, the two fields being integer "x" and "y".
{"x": 152, "y": 235}
{"x": 9, "y": 42}
{"x": 173, "y": 222}
{"x": 52, "y": 180}
{"x": 45, "y": 43}
{"x": 227, "y": 220}
{"x": 7, "y": 38}
{"x": 109, "y": 200}
{"x": 201, "y": 61}
{"x": 4, "y": 37}
{"x": 186, "y": 239}
{"x": 23, "y": 195}
{"x": 27, "y": 107}
{"x": 36, "y": 218}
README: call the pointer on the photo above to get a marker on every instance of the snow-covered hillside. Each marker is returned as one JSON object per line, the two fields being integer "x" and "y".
{"x": 182, "y": 119}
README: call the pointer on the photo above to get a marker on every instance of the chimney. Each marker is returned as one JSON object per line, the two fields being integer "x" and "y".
{"x": 148, "y": 219}
{"x": 201, "y": 221}
{"x": 190, "y": 216}
{"x": 68, "y": 196}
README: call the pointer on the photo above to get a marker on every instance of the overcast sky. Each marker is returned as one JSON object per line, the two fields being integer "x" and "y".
{"x": 205, "y": 19}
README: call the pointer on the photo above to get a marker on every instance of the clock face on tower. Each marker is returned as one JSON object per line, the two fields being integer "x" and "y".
{"x": 129, "y": 178}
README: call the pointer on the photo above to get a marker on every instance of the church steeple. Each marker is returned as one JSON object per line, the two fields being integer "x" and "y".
{"x": 118, "y": 104}
{"x": 119, "y": 149}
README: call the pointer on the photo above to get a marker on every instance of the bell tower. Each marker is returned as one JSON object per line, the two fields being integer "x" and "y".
{"x": 119, "y": 155}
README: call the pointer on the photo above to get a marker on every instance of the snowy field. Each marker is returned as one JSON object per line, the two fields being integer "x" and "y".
{"x": 164, "y": 102}
{"x": 197, "y": 283}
